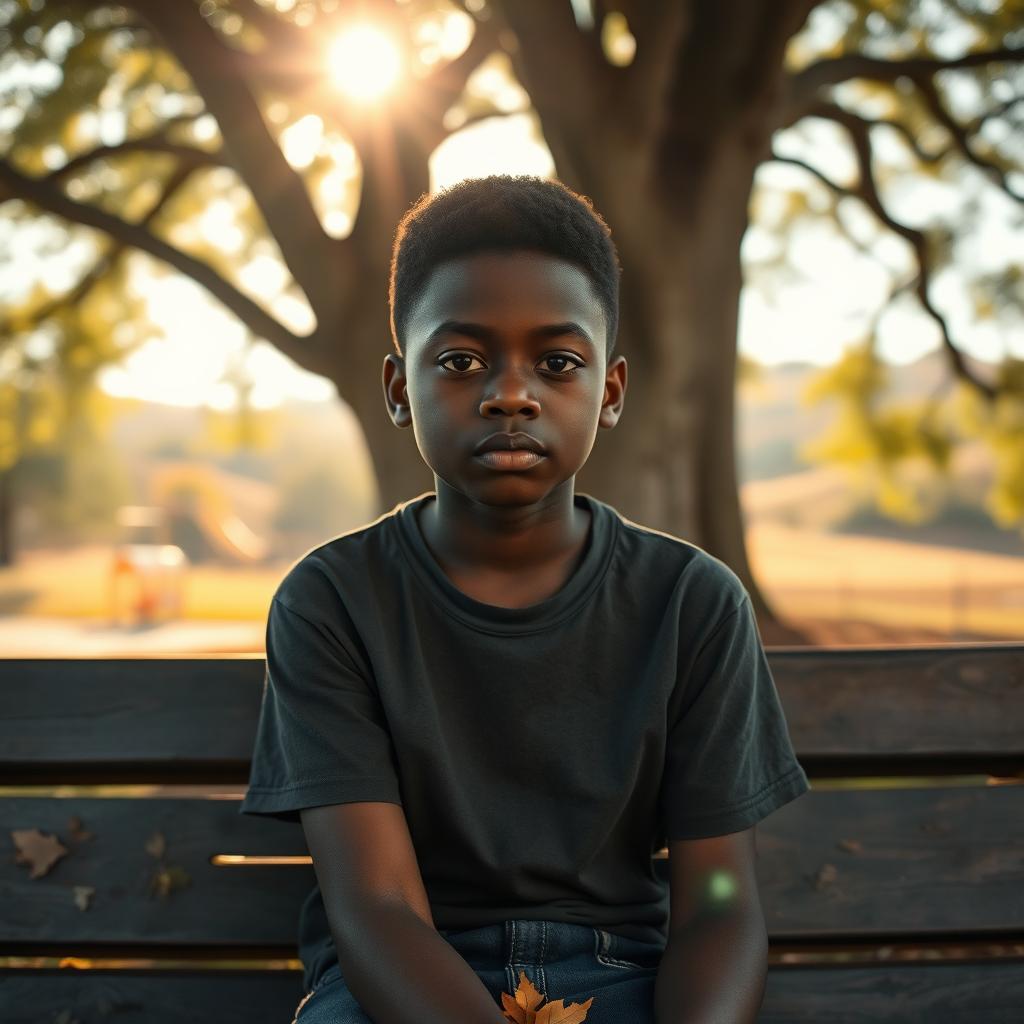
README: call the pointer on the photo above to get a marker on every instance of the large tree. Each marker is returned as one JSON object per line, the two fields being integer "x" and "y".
{"x": 662, "y": 113}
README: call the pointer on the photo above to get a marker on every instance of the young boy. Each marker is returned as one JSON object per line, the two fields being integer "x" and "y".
{"x": 491, "y": 706}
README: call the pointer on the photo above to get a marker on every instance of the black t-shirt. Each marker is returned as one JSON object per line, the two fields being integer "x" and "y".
{"x": 541, "y": 754}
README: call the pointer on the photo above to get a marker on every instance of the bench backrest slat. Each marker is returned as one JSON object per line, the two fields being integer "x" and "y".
{"x": 193, "y": 719}
{"x": 903, "y": 702}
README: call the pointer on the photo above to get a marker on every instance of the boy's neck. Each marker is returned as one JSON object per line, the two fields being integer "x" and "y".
{"x": 473, "y": 540}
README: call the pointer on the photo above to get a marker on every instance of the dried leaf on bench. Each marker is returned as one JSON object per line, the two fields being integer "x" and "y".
{"x": 167, "y": 879}
{"x": 78, "y": 834}
{"x": 827, "y": 874}
{"x": 156, "y": 845}
{"x": 84, "y": 895}
{"x": 851, "y": 845}
{"x": 39, "y": 850}
{"x": 524, "y": 1008}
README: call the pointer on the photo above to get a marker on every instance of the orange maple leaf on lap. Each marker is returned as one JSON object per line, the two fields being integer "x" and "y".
{"x": 524, "y": 1008}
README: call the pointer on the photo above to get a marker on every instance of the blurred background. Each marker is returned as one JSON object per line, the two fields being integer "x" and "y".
{"x": 819, "y": 217}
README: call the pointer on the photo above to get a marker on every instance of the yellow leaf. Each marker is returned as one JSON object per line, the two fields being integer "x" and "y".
{"x": 525, "y": 1008}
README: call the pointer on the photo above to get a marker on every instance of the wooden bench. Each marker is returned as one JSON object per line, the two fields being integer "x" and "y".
{"x": 929, "y": 859}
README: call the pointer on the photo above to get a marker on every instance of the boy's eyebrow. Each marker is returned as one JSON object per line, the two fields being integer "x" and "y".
{"x": 484, "y": 333}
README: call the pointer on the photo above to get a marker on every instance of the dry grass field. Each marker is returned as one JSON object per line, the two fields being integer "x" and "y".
{"x": 77, "y": 584}
{"x": 831, "y": 586}
{"x": 931, "y": 590}
{"x": 836, "y": 588}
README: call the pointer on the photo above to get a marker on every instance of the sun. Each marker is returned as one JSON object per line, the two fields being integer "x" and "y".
{"x": 365, "y": 63}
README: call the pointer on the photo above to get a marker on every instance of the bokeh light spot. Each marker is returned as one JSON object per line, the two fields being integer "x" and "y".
{"x": 721, "y": 886}
{"x": 365, "y": 62}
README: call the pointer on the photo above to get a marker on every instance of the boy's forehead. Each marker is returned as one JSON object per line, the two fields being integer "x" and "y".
{"x": 514, "y": 286}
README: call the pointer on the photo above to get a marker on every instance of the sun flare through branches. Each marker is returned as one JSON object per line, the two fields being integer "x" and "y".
{"x": 365, "y": 63}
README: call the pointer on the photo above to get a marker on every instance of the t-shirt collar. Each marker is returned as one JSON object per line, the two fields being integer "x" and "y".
{"x": 490, "y": 618}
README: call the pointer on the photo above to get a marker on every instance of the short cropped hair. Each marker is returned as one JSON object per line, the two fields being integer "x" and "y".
{"x": 501, "y": 212}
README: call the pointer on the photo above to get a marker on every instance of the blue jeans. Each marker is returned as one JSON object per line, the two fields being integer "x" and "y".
{"x": 564, "y": 961}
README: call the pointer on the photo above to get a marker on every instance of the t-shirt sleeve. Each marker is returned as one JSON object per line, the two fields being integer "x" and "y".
{"x": 322, "y": 736}
{"x": 729, "y": 760}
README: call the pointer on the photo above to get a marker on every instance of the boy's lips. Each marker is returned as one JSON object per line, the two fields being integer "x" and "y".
{"x": 504, "y": 442}
{"x": 521, "y": 458}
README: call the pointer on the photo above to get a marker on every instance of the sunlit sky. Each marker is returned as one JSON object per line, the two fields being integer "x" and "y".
{"x": 810, "y": 318}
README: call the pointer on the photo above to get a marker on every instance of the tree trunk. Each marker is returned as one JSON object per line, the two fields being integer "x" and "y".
{"x": 666, "y": 149}
{"x": 357, "y": 373}
{"x": 670, "y": 463}
{"x": 399, "y": 468}
{"x": 7, "y": 517}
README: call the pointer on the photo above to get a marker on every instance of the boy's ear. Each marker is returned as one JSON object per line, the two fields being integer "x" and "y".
{"x": 396, "y": 396}
{"x": 615, "y": 392}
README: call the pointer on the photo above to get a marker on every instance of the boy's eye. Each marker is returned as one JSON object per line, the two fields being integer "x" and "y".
{"x": 459, "y": 356}
{"x": 563, "y": 359}
{"x": 466, "y": 357}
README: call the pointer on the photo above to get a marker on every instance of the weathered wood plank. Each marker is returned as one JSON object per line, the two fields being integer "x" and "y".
{"x": 860, "y": 863}
{"x": 917, "y": 861}
{"x": 235, "y": 906}
{"x": 949, "y": 701}
{"x": 153, "y": 997}
{"x": 131, "y": 716}
{"x": 905, "y": 993}
{"x": 171, "y": 719}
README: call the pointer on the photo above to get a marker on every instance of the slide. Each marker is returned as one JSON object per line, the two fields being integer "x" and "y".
{"x": 199, "y": 518}
{"x": 231, "y": 537}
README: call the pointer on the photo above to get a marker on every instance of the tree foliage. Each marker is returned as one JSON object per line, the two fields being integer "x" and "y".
{"x": 204, "y": 139}
{"x": 913, "y": 116}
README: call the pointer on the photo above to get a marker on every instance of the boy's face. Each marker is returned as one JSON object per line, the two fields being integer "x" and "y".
{"x": 505, "y": 342}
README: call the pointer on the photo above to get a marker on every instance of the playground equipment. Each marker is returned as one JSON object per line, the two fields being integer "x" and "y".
{"x": 188, "y": 520}
{"x": 147, "y": 576}
{"x": 199, "y": 516}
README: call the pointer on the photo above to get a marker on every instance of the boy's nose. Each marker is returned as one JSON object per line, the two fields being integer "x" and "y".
{"x": 511, "y": 400}
{"x": 510, "y": 406}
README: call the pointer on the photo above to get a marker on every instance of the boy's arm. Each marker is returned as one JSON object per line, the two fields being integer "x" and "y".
{"x": 715, "y": 965}
{"x": 400, "y": 970}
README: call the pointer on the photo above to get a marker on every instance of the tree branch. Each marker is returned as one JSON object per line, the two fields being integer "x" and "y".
{"x": 279, "y": 192}
{"x": 961, "y": 140}
{"x": 805, "y": 84}
{"x": 759, "y": 76}
{"x": 51, "y": 199}
{"x": 867, "y": 190}
{"x": 103, "y": 265}
{"x": 489, "y": 115}
{"x": 659, "y": 29}
{"x": 997, "y": 111}
{"x": 190, "y": 156}
{"x": 834, "y": 186}
{"x": 447, "y": 82}
{"x": 841, "y": 191}
{"x": 277, "y": 32}
{"x": 909, "y": 138}
{"x": 563, "y": 69}
{"x": 920, "y": 71}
